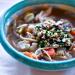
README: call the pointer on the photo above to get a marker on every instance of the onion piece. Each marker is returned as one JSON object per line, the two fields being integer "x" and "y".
{"x": 39, "y": 16}
{"x": 23, "y": 45}
{"x": 28, "y": 39}
{"x": 29, "y": 17}
{"x": 34, "y": 46}
{"x": 48, "y": 11}
{"x": 38, "y": 51}
{"x": 49, "y": 22}
{"x": 72, "y": 45}
{"x": 31, "y": 28}
{"x": 47, "y": 54}
{"x": 68, "y": 55}
{"x": 23, "y": 25}
{"x": 10, "y": 39}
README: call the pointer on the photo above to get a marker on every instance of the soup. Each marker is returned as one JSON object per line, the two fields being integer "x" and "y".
{"x": 44, "y": 33}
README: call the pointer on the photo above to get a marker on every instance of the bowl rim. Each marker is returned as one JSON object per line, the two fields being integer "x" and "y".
{"x": 12, "y": 51}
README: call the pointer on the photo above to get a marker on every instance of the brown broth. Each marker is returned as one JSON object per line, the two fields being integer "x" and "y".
{"x": 56, "y": 12}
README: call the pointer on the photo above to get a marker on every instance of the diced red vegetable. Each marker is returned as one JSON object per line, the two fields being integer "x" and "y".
{"x": 51, "y": 51}
{"x": 72, "y": 32}
{"x": 47, "y": 48}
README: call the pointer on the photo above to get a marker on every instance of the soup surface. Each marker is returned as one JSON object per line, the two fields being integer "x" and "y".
{"x": 44, "y": 33}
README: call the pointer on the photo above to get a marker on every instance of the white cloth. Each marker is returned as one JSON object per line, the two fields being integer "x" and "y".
{"x": 10, "y": 66}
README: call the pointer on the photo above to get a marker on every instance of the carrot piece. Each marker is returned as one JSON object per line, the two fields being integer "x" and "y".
{"x": 72, "y": 32}
{"x": 29, "y": 54}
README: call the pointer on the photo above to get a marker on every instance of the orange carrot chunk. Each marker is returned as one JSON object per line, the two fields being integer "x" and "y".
{"x": 72, "y": 32}
{"x": 29, "y": 54}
